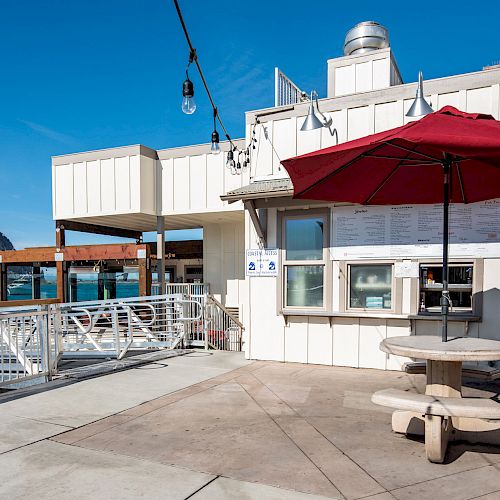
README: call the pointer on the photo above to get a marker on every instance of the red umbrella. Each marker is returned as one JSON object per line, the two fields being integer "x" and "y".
{"x": 447, "y": 156}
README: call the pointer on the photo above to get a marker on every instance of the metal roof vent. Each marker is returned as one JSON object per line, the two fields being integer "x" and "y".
{"x": 365, "y": 37}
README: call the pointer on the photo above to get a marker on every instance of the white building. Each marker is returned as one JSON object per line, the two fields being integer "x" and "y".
{"x": 335, "y": 297}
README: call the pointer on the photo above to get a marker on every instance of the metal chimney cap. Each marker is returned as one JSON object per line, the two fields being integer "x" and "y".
{"x": 365, "y": 37}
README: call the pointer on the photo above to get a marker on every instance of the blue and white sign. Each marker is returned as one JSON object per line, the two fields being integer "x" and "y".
{"x": 262, "y": 262}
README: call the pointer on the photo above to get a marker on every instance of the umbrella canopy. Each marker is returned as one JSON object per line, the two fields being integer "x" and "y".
{"x": 405, "y": 164}
{"x": 447, "y": 156}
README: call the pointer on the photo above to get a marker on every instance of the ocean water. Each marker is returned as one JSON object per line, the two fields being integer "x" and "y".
{"x": 87, "y": 290}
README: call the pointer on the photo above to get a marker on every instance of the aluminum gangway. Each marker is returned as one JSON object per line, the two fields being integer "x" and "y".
{"x": 34, "y": 339}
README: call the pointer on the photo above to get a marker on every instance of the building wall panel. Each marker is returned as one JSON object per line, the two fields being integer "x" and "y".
{"x": 382, "y": 70}
{"x": 198, "y": 184}
{"x": 479, "y": 100}
{"x": 148, "y": 185}
{"x": 64, "y": 190}
{"x": 167, "y": 180}
{"x": 216, "y": 169}
{"x": 80, "y": 187}
{"x": 396, "y": 328}
{"x": 346, "y": 342}
{"x": 360, "y": 123}
{"x": 388, "y": 115}
{"x": 181, "y": 184}
{"x": 108, "y": 193}
{"x": 488, "y": 328}
{"x": 94, "y": 186}
{"x": 266, "y": 329}
{"x": 285, "y": 141}
{"x": 296, "y": 335}
{"x": 449, "y": 99}
{"x": 122, "y": 173}
{"x": 338, "y": 127}
{"x": 319, "y": 341}
{"x": 364, "y": 76}
{"x": 371, "y": 333}
{"x": 345, "y": 80}
{"x": 307, "y": 141}
{"x": 262, "y": 155}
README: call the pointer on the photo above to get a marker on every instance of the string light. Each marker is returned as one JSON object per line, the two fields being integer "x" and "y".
{"x": 189, "y": 106}
{"x": 230, "y": 161}
{"x": 215, "y": 149}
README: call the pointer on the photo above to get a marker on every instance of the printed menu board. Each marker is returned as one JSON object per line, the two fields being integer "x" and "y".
{"x": 415, "y": 231}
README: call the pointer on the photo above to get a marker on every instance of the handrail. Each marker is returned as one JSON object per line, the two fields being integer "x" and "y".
{"x": 150, "y": 306}
{"x": 85, "y": 331}
{"x": 30, "y": 302}
{"x": 237, "y": 321}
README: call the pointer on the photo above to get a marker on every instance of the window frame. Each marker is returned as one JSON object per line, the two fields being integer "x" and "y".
{"x": 394, "y": 290}
{"x": 476, "y": 288}
{"x": 325, "y": 262}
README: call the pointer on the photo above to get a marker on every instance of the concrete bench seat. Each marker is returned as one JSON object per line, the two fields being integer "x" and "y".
{"x": 433, "y": 405}
{"x": 472, "y": 371}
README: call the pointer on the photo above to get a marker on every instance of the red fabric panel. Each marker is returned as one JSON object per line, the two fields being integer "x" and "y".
{"x": 341, "y": 173}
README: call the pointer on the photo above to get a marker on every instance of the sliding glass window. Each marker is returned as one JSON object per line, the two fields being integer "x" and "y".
{"x": 304, "y": 261}
{"x": 370, "y": 286}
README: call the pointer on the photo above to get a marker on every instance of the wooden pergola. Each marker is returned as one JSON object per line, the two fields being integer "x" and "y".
{"x": 62, "y": 257}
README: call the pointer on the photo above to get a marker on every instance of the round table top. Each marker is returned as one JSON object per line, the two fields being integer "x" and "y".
{"x": 431, "y": 347}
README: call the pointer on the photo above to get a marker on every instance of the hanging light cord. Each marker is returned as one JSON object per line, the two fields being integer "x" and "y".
{"x": 193, "y": 57}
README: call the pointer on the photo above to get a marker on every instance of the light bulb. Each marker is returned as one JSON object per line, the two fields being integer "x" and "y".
{"x": 230, "y": 161}
{"x": 188, "y": 105}
{"x": 215, "y": 149}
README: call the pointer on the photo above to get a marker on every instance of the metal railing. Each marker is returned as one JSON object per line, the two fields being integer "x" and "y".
{"x": 27, "y": 346}
{"x": 285, "y": 91}
{"x": 196, "y": 292}
{"x": 115, "y": 326}
{"x": 186, "y": 289}
{"x": 33, "y": 340}
{"x": 223, "y": 330}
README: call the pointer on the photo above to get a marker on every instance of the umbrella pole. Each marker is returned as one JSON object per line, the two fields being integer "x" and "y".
{"x": 445, "y": 295}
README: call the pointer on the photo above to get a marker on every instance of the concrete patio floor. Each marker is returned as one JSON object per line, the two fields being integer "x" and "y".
{"x": 215, "y": 426}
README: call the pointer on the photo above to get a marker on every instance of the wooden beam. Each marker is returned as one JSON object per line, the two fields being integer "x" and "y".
{"x": 189, "y": 249}
{"x": 32, "y": 302}
{"x": 35, "y": 283}
{"x": 3, "y": 282}
{"x": 250, "y": 206}
{"x": 145, "y": 275}
{"x": 60, "y": 267}
{"x": 160, "y": 254}
{"x": 126, "y": 251}
{"x": 84, "y": 227}
{"x": 117, "y": 251}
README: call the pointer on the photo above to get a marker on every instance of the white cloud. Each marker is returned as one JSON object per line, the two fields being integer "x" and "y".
{"x": 49, "y": 133}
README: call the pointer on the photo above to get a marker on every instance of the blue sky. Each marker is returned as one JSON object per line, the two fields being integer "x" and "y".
{"x": 83, "y": 75}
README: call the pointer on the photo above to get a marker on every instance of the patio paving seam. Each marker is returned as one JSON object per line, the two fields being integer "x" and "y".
{"x": 26, "y": 445}
{"x": 203, "y": 386}
{"x": 487, "y": 494}
{"x": 68, "y": 428}
{"x": 494, "y": 465}
{"x": 287, "y": 435}
{"x": 346, "y": 455}
{"x": 202, "y": 487}
{"x": 319, "y": 432}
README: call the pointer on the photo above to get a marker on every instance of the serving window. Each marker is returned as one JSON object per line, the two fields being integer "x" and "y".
{"x": 460, "y": 285}
{"x": 305, "y": 260}
{"x": 370, "y": 286}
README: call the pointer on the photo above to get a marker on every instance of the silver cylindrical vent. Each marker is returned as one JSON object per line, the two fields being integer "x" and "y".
{"x": 365, "y": 37}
